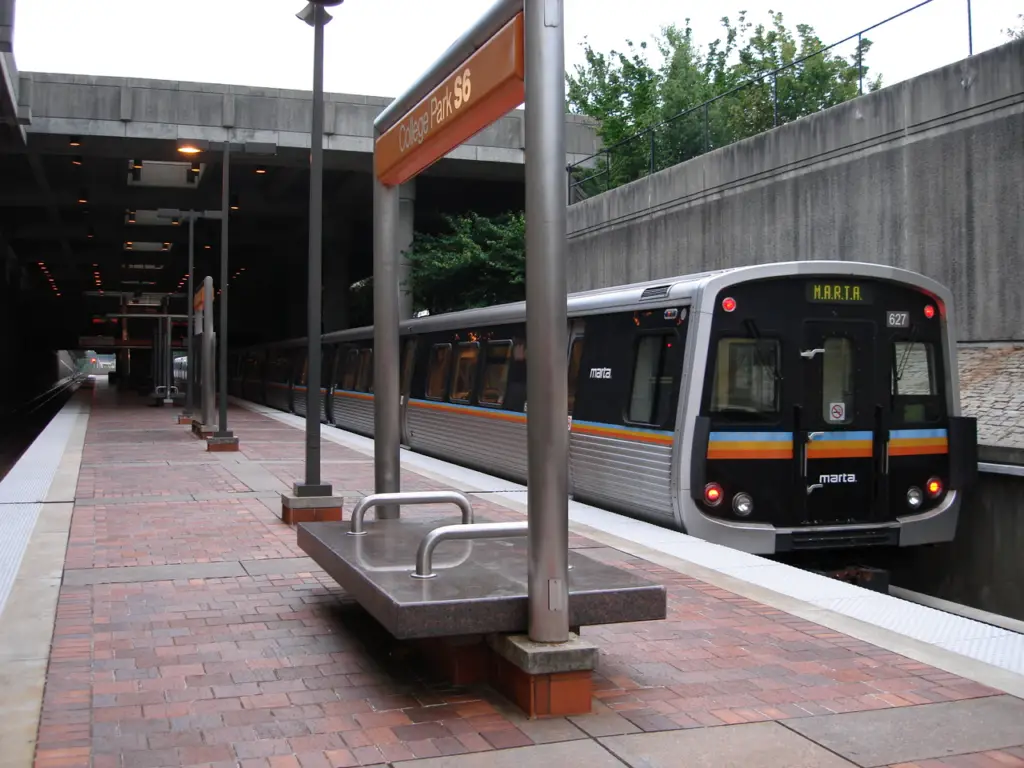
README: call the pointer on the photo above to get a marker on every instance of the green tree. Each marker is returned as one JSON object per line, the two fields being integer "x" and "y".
{"x": 475, "y": 262}
{"x": 1016, "y": 33}
{"x": 651, "y": 118}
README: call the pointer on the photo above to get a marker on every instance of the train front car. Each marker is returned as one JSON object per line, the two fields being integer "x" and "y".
{"x": 828, "y": 410}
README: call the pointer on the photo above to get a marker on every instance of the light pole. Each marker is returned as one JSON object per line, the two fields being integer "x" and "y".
{"x": 190, "y": 216}
{"x": 315, "y": 14}
{"x": 223, "y": 439}
{"x": 223, "y": 434}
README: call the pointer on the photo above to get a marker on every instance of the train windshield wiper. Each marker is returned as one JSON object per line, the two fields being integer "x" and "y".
{"x": 762, "y": 359}
{"x": 899, "y": 368}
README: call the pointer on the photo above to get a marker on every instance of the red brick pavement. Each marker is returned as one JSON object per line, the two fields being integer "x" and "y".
{"x": 114, "y": 481}
{"x": 176, "y": 532}
{"x": 264, "y": 671}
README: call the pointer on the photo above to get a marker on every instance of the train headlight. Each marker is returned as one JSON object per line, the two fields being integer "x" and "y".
{"x": 914, "y": 497}
{"x": 934, "y": 487}
{"x": 712, "y": 494}
{"x": 742, "y": 504}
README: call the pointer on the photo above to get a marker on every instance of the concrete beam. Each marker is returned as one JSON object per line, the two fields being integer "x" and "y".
{"x": 158, "y": 109}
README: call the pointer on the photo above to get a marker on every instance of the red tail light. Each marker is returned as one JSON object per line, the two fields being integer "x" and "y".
{"x": 929, "y": 311}
{"x": 934, "y": 487}
{"x": 713, "y": 494}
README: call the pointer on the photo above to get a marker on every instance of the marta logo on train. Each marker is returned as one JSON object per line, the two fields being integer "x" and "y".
{"x": 600, "y": 373}
{"x": 829, "y": 479}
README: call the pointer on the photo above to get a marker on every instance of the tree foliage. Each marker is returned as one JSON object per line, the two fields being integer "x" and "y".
{"x": 475, "y": 262}
{"x": 628, "y": 95}
{"x": 1016, "y": 33}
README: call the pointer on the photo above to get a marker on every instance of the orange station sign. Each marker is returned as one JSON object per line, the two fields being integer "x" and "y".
{"x": 479, "y": 92}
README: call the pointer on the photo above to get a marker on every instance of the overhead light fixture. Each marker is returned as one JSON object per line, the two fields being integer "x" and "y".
{"x": 83, "y": 196}
{"x": 207, "y": 247}
{"x": 234, "y": 202}
{"x": 196, "y": 167}
{"x": 137, "y": 165}
{"x": 192, "y": 147}
{"x": 75, "y": 141}
{"x": 175, "y": 221}
{"x": 90, "y": 234}
{"x": 261, "y": 169}
{"x": 131, "y": 217}
{"x": 76, "y": 160}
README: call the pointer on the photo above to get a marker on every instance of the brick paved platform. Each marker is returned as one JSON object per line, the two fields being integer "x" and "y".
{"x": 191, "y": 630}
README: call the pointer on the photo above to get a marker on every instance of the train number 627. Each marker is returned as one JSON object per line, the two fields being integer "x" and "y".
{"x": 897, "y": 319}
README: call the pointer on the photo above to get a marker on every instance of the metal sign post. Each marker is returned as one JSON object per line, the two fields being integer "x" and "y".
{"x": 190, "y": 361}
{"x": 517, "y": 49}
{"x": 204, "y": 304}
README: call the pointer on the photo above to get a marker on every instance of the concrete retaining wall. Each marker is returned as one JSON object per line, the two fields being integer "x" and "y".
{"x": 983, "y": 567}
{"x": 927, "y": 174}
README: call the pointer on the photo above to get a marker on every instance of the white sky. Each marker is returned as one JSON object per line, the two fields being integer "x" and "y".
{"x": 379, "y": 47}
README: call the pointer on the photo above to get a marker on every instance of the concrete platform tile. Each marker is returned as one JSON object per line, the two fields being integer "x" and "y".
{"x": 752, "y": 745}
{"x": 908, "y": 734}
{"x": 566, "y": 753}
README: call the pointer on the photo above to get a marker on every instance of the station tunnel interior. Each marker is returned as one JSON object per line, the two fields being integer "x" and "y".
{"x": 81, "y": 237}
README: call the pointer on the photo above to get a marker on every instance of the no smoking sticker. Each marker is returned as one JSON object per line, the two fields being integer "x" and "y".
{"x": 837, "y": 412}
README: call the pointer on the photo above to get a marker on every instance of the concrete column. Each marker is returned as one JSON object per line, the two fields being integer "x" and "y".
{"x": 406, "y": 211}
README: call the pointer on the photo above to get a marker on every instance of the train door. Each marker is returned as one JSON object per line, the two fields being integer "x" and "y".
{"x": 837, "y": 434}
{"x": 405, "y": 382}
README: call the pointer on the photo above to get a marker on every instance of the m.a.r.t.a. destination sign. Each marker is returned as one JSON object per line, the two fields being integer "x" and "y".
{"x": 484, "y": 88}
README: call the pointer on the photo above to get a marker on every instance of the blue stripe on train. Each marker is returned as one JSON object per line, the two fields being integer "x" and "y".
{"x": 860, "y": 435}
{"x": 751, "y": 437}
{"x": 917, "y": 433}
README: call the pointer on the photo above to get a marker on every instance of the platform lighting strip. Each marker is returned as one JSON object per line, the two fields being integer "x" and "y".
{"x": 97, "y": 278}
{"x": 53, "y": 284}
{"x": 181, "y": 283}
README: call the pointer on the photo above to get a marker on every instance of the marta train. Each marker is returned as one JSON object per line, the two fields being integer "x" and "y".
{"x": 771, "y": 408}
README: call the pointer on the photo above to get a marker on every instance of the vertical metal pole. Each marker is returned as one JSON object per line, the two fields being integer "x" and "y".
{"x": 386, "y": 416}
{"x": 190, "y": 360}
{"x": 970, "y": 31}
{"x": 775, "y": 100}
{"x": 546, "y": 324}
{"x": 706, "y": 136}
{"x": 860, "y": 68}
{"x": 222, "y": 347}
{"x": 169, "y": 360}
{"x": 313, "y": 486}
{"x": 208, "y": 351}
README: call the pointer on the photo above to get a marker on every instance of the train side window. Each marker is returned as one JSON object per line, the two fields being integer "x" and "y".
{"x": 351, "y": 370}
{"x": 465, "y": 371}
{"x": 575, "y": 355}
{"x": 913, "y": 370}
{"x": 745, "y": 381}
{"x": 365, "y": 382}
{"x": 496, "y": 365}
{"x": 651, "y": 386}
{"x": 837, "y": 371}
{"x": 437, "y": 371}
